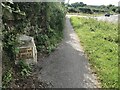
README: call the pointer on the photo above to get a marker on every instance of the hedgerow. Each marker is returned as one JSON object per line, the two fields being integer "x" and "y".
{"x": 41, "y": 20}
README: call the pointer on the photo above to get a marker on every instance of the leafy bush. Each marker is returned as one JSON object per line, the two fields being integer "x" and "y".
{"x": 46, "y": 22}
{"x": 7, "y": 77}
{"x": 24, "y": 68}
{"x": 86, "y": 10}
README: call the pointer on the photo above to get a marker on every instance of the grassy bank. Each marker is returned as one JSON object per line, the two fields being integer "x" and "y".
{"x": 100, "y": 42}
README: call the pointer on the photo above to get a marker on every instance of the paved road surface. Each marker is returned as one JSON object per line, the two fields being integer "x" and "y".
{"x": 67, "y": 66}
{"x": 112, "y": 18}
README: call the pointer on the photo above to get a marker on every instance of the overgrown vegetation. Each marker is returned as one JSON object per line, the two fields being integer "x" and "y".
{"x": 24, "y": 69}
{"x": 80, "y": 7}
{"x": 100, "y": 41}
{"x": 41, "y": 20}
{"x": 7, "y": 77}
{"x": 47, "y": 23}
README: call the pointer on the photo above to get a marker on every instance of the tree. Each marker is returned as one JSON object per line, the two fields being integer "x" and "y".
{"x": 78, "y": 4}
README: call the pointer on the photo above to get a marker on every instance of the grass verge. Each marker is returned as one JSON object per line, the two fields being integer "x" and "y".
{"x": 100, "y": 42}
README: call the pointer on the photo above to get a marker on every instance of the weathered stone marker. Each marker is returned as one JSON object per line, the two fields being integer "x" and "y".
{"x": 27, "y": 50}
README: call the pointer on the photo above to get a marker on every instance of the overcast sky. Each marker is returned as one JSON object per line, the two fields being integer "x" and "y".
{"x": 96, "y": 2}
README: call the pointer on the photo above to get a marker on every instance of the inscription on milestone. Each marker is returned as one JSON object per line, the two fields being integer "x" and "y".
{"x": 25, "y": 53}
{"x": 27, "y": 50}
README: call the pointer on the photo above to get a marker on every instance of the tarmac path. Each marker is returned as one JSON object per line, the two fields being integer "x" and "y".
{"x": 67, "y": 66}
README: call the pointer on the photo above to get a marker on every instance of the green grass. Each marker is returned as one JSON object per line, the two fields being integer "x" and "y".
{"x": 100, "y": 42}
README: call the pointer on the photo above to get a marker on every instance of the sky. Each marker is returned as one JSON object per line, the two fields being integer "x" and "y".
{"x": 96, "y": 2}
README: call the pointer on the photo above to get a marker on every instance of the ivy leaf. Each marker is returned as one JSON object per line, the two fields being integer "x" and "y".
{"x": 17, "y": 50}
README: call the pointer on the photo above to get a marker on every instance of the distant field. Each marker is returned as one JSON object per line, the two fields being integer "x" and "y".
{"x": 100, "y": 42}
